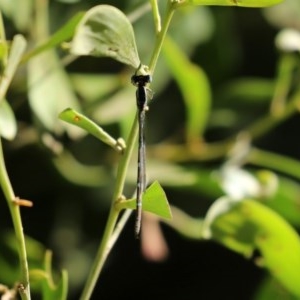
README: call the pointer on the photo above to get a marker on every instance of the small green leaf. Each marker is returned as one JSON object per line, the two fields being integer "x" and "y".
{"x": 154, "y": 201}
{"x": 16, "y": 51}
{"x": 8, "y": 123}
{"x": 194, "y": 86}
{"x": 73, "y": 117}
{"x": 244, "y": 3}
{"x": 65, "y": 33}
{"x": 248, "y": 225}
{"x": 50, "y": 289}
{"x": 106, "y": 31}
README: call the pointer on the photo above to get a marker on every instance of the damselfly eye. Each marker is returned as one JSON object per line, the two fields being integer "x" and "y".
{"x": 141, "y": 80}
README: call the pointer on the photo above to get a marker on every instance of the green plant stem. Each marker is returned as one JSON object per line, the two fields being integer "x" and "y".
{"x": 161, "y": 36}
{"x": 2, "y": 30}
{"x": 106, "y": 245}
{"x": 218, "y": 149}
{"x": 24, "y": 287}
{"x": 185, "y": 224}
{"x": 275, "y": 161}
{"x": 268, "y": 122}
{"x": 109, "y": 236}
{"x": 286, "y": 65}
{"x": 156, "y": 15}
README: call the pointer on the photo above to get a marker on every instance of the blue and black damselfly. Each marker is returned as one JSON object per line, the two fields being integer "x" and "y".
{"x": 141, "y": 82}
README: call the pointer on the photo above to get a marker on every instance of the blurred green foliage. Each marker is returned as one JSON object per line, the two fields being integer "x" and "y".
{"x": 221, "y": 129}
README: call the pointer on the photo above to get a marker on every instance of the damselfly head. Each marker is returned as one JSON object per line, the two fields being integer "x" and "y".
{"x": 141, "y": 80}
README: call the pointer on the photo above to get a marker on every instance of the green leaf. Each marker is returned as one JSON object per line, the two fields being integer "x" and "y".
{"x": 247, "y": 90}
{"x": 73, "y": 117}
{"x": 194, "y": 87}
{"x": 20, "y": 11}
{"x": 286, "y": 201}
{"x": 50, "y": 92}
{"x": 106, "y": 31}
{"x": 270, "y": 289}
{"x": 63, "y": 34}
{"x": 16, "y": 51}
{"x": 8, "y": 123}
{"x": 248, "y": 225}
{"x": 244, "y": 3}
{"x": 45, "y": 277}
{"x": 154, "y": 201}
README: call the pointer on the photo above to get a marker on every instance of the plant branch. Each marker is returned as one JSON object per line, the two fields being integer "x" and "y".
{"x": 110, "y": 236}
{"x": 161, "y": 36}
{"x": 24, "y": 287}
{"x": 106, "y": 244}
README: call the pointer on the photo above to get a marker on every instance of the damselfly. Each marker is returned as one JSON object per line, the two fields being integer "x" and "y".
{"x": 140, "y": 81}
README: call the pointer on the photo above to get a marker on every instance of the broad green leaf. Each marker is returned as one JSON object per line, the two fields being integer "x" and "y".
{"x": 247, "y": 226}
{"x": 50, "y": 92}
{"x": 16, "y": 51}
{"x": 65, "y": 33}
{"x": 73, "y": 117}
{"x": 106, "y": 31}
{"x": 194, "y": 87}
{"x": 8, "y": 123}
{"x": 154, "y": 201}
{"x": 244, "y": 3}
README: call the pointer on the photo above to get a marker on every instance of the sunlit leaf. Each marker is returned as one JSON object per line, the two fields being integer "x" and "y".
{"x": 247, "y": 226}
{"x": 154, "y": 201}
{"x": 73, "y": 117}
{"x": 194, "y": 87}
{"x": 245, "y": 3}
{"x": 106, "y": 31}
